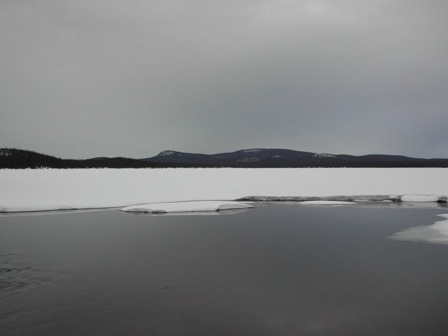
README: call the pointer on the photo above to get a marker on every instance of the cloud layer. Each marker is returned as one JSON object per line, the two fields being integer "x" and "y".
{"x": 84, "y": 78}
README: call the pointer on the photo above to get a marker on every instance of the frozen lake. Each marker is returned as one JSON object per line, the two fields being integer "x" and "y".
{"x": 272, "y": 270}
{"x": 55, "y": 189}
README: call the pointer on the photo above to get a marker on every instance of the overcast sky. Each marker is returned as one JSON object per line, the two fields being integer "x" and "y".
{"x": 82, "y": 78}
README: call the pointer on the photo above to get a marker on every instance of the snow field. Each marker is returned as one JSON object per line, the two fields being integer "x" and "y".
{"x": 53, "y": 189}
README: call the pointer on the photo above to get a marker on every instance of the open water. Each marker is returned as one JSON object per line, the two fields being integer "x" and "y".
{"x": 273, "y": 270}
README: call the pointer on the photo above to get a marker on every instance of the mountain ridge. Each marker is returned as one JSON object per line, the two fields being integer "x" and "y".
{"x": 279, "y": 157}
{"x": 245, "y": 158}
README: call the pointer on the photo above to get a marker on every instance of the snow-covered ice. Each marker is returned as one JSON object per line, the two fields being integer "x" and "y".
{"x": 54, "y": 189}
{"x": 181, "y": 207}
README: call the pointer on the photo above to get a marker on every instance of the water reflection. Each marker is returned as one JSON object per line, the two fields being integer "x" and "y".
{"x": 17, "y": 273}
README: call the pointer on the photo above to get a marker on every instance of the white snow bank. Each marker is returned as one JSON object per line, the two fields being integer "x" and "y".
{"x": 436, "y": 233}
{"x": 53, "y": 189}
{"x": 176, "y": 207}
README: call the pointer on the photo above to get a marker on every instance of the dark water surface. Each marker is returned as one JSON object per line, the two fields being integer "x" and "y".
{"x": 276, "y": 270}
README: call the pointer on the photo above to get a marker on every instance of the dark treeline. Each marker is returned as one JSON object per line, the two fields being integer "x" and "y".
{"x": 20, "y": 159}
{"x": 12, "y": 158}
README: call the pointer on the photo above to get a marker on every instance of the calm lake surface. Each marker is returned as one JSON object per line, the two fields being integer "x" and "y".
{"x": 273, "y": 270}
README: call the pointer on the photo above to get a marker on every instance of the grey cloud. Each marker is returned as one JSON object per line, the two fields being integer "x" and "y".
{"x": 84, "y": 78}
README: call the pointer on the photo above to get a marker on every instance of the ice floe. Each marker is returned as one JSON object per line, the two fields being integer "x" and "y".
{"x": 327, "y": 203}
{"x": 422, "y": 198}
{"x": 436, "y": 233}
{"x": 184, "y": 207}
{"x": 335, "y": 198}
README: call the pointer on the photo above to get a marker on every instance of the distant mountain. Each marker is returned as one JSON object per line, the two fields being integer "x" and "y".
{"x": 248, "y": 158}
{"x": 276, "y": 158}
